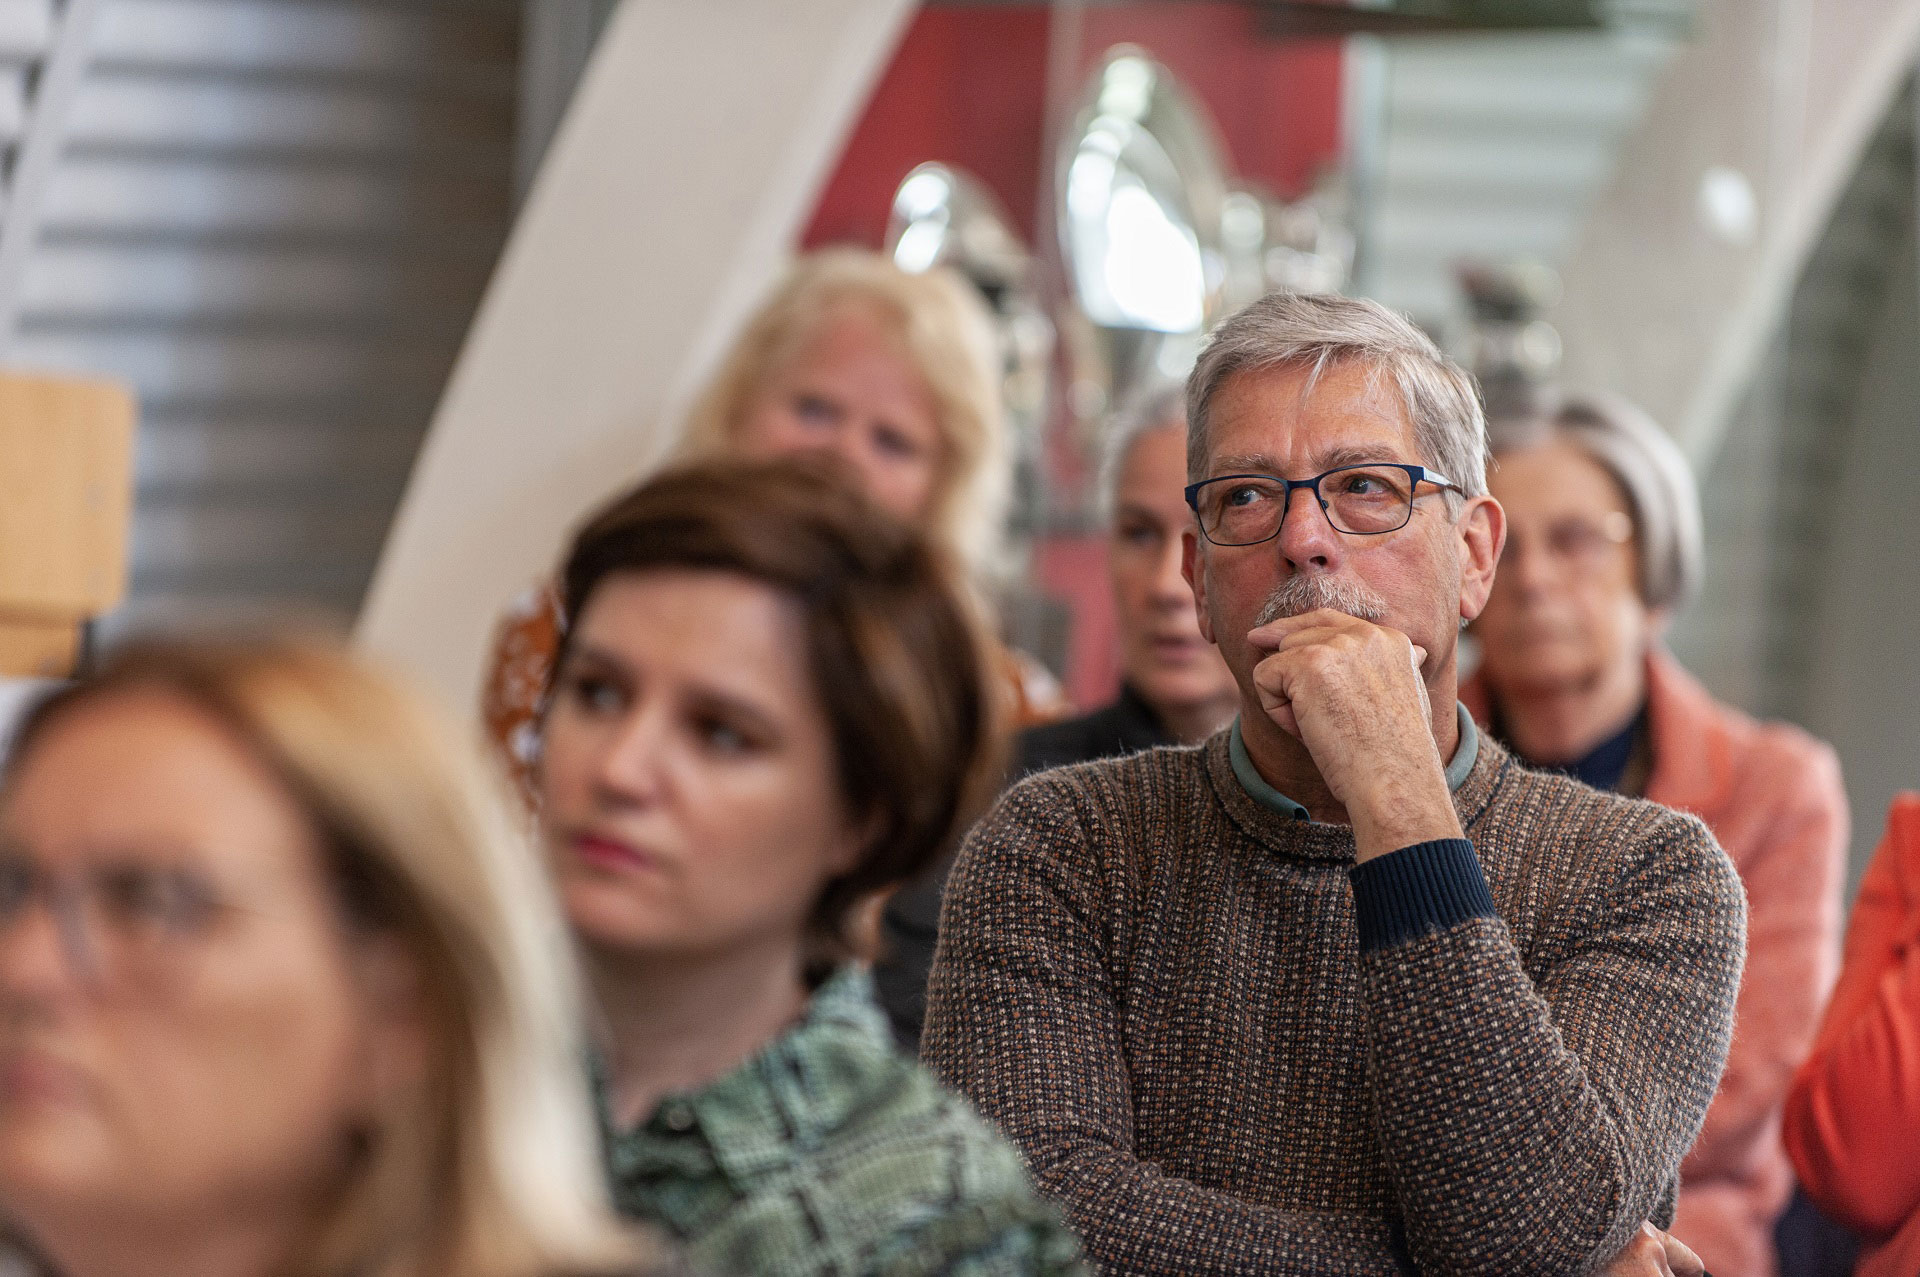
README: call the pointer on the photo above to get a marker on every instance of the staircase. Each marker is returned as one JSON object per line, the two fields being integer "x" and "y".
{"x": 1493, "y": 148}
{"x": 274, "y": 219}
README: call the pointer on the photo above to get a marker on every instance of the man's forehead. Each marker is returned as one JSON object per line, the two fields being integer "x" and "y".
{"x": 1347, "y": 413}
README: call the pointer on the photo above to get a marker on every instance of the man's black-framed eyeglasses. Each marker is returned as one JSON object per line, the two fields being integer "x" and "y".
{"x": 1362, "y": 500}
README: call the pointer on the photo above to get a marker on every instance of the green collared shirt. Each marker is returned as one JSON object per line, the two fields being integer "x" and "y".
{"x": 1464, "y": 755}
{"x": 831, "y": 1153}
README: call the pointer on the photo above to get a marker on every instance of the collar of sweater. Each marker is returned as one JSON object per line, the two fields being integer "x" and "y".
{"x": 1280, "y": 832}
{"x": 1465, "y": 750}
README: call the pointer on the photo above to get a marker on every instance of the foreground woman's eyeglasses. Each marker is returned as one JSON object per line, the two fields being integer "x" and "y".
{"x": 119, "y": 921}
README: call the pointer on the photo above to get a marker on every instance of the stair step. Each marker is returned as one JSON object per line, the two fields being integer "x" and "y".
{"x": 471, "y": 47}
{"x": 133, "y": 196}
{"x": 264, "y": 549}
{"x": 209, "y": 455}
{"x": 127, "y": 112}
{"x": 247, "y": 367}
{"x": 74, "y": 284}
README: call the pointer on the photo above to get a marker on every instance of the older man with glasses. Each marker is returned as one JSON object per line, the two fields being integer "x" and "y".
{"x": 1345, "y": 989}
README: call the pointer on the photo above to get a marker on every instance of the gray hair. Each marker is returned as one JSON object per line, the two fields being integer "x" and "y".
{"x": 1321, "y": 330}
{"x": 1649, "y": 467}
{"x": 1156, "y": 405}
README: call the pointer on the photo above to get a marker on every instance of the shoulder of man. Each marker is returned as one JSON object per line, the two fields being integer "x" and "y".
{"x": 1182, "y": 764}
{"x": 1101, "y": 820}
{"x": 1111, "y": 731}
{"x": 1166, "y": 782}
{"x": 1060, "y": 744}
{"x": 1545, "y": 838}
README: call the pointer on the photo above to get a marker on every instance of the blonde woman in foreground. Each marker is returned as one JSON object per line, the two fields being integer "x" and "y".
{"x": 276, "y": 994}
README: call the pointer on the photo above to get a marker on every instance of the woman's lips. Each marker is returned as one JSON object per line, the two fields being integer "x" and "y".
{"x": 1176, "y": 649}
{"x": 30, "y": 1076}
{"x": 611, "y": 854}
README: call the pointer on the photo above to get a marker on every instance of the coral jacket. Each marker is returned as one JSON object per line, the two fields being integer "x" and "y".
{"x": 1772, "y": 796}
{"x": 1853, "y": 1118}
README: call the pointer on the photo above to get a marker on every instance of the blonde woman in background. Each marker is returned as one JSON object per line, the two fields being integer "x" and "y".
{"x": 277, "y": 993}
{"x": 894, "y": 373}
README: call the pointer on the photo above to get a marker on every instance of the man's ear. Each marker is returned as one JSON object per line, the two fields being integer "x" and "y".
{"x": 1192, "y": 569}
{"x": 1482, "y": 529}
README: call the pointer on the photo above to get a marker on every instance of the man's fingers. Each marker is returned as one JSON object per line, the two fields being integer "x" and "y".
{"x": 1271, "y": 686}
{"x": 1654, "y": 1249}
{"x": 1275, "y": 632}
{"x": 1269, "y": 641}
{"x": 1657, "y": 1252}
{"x": 1682, "y": 1260}
{"x": 1644, "y": 1256}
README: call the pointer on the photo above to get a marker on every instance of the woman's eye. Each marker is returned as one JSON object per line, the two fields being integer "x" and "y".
{"x": 815, "y": 410}
{"x": 596, "y": 695}
{"x": 895, "y": 443}
{"x": 156, "y": 899}
{"x": 19, "y": 879}
{"x": 1139, "y": 536}
{"x": 723, "y": 737}
{"x": 1576, "y": 540}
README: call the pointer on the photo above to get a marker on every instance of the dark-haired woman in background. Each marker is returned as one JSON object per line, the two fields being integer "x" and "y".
{"x": 772, "y": 704}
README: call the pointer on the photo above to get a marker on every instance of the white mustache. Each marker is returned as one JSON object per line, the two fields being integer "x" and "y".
{"x": 1298, "y": 595}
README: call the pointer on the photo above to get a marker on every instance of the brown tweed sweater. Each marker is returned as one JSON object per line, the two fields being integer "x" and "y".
{"x": 1156, "y": 987}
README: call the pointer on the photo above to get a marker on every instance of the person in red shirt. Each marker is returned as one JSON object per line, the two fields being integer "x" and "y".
{"x": 1853, "y": 1115}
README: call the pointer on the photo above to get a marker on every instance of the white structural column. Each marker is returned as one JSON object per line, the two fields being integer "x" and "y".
{"x": 39, "y": 151}
{"x": 666, "y": 204}
{"x": 1683, "y": 270}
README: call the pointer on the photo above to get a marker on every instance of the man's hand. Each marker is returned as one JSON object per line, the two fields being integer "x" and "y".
{"x": 1653, "y": 1253}
{"x": 1352, "y": 693}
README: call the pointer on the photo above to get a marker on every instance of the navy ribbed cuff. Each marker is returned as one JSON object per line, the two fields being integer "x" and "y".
{"x": 1430, "y": 886}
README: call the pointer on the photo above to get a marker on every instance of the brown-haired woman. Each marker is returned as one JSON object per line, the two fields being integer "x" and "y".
{"x": 771, "y": 704}
{"x": 278, "y": 994}
{"x": 894, "y": 374}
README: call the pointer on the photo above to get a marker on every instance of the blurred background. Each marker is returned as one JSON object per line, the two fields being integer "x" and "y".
{"x": 313, "y": 239}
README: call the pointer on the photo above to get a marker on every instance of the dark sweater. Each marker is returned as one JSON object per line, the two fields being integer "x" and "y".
{"x": 1158, "y": 989}
{"x": 1125, "y": 727}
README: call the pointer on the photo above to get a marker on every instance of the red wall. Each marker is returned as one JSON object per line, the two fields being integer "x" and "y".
{"x": 967, "y": 86}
